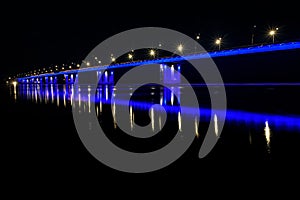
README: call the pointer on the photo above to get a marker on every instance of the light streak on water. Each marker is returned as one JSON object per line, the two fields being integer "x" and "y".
{"x": 216, "y": 125}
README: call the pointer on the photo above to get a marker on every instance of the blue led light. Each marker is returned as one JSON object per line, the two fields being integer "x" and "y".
{"x": 279, "y": 121}
{"x": 224, "y": 53}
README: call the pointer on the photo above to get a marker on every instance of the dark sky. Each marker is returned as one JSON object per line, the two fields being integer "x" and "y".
{"x": 40, "y": 38}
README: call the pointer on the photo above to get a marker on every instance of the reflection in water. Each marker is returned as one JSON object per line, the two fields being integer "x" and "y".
{"x": 89, "y": 98}
{"x": 52, "y": 93}
{"x": 47, "y": 94}
{"x": 36, "y": 94}
{"x": 79, "y": 97}
{"x": 159, "y": 122}
{"x": 250, "y": 138}
{"x": 152, "y": 119}
{"x": 106, "y": 92}
{"x": 131, "y": 115}
{"x": 268, "y": 135}
{"x": 179, "y": 121}
{"x": 57, "y": 96}
{"x": 100, "y": 99}
{"x": 72, "y": 94}
{"x": 65, "y": 93}
{"x": 114, "y": 114}
{"x": 216, "y": 125}
{"x": 196, "y": 127}
{"x": 15, "y": 90}
{"x": 41, "y": 93}
{"x": 172, "y": 96}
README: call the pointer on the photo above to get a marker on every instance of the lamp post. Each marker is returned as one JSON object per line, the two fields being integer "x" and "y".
{"x": 130, "y": 56}
{"x": 198, "y": 40}
{"x": 252, "y": 36}
{"x": 272, "y": 34}
{"x": 218, "y": 42}
{"x": 180, "y": 48}
{"x": 152, "y": 53}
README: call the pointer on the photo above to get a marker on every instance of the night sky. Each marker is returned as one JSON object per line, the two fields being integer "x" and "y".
{"x": 39, "y": 38}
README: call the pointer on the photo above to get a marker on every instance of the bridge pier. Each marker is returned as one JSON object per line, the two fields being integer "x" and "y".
{"x": 170, "y": 78}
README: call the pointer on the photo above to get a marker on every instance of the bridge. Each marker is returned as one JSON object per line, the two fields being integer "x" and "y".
{"x": 69, "y": 76}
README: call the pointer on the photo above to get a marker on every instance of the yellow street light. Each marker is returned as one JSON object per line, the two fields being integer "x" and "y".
{"x": 130, "y": 56}
{"x": 180, "y": 48}
{"x": 152, "y": 52}
{"x": 218, "y": 42}
{"x": 272, "y": 33}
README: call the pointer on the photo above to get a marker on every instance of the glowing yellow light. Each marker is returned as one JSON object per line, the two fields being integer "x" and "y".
{"x": 62, "y": 68}
{"x": 113, "y": 59}
{"x": 130, "y": 56}
{"x": 78, "y": 65}
{"x": 14, "y": 83}
{"x": 152, "y": 52}
{"x": 88, "y": 64}
{"x": 180, "y": 48}
{"x": 198, "y": 37}
{"x": 70, "y": 67}
{"x": 218, "y": 41}
{"x": 272, "y": 32}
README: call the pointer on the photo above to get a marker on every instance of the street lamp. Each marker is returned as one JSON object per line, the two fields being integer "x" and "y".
{"x": 252, "y": 36}
{"x": 152, "y": 53}
{"x": 130, "y": 56}
{"x": 97, "y": 61}
{"x": 180, "y": 48}
{"x": 272, "y": 34}
{"x": 218, "y": 42}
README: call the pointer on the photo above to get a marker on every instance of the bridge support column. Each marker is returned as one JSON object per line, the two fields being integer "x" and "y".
{"x": 111, "y": 78}
{"x": 72, "y": 79}
{"x": 66, "y": 78}
{"x": 171, "y": 78}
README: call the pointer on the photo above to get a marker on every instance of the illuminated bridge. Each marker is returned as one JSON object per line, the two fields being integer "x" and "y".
{"x": 69, "y": 76}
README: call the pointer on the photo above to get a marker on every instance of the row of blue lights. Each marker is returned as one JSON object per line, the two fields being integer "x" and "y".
{"x": 224, "y": 53}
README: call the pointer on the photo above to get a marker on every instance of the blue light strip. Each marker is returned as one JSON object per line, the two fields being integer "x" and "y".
{"x": 224, "y": 53}
{"x": 279, "y": 121}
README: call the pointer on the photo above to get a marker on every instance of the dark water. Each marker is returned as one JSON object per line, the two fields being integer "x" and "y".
{"x": 260, "y": 139}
